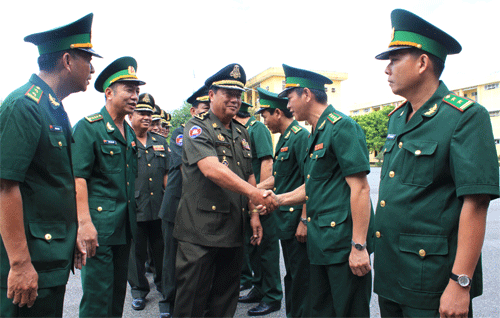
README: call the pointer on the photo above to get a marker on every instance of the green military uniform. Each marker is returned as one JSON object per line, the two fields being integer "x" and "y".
{"x": 35, "y": 148}
{"x": 443, "y": 153}
{"x": 262, "y": 259}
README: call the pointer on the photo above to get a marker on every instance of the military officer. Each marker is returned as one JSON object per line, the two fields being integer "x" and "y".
{"x": 156, "y": 120}
{"x": 263, "y": 259}
{"x": 439, "y": 174}
{"x": 217, "y": 180}
{"x": 165, "y": 123}
{"x": 337, "y": 196}
{"x": 105, "y": 168}
{"x": 199, "y": 104}
{"x": 37, "y": 191}
{"x": 291, "y": 220}
{"x": 152, "y": 167}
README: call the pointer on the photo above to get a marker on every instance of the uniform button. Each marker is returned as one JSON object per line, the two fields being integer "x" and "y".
{"x": 60, "y": 144}
{"x": 128, "y": 183}
{"x": 127, "y": 165}
{"x": 223, "y": 151}
{"x": 316, "y": 156}
{"x": 243, "y": 209}
{"x": 307, "y": 198}
{"x": 421, "y": 252}
{"x": 274, "y": 172}
{"x": 128, "y": 201}
{"x": 385, "y": 150}
{"x": 311, "y": 155}
{"x": 213, "y": 207}
{"x": 149, "y": 165}
{"x": 111, "y": 152}
{"x": 309, "y": 219}
{"x": 127, "y": 148}
{"x": 333, "y": 224}
{"x": 391, "y": 174}
{"x": 274, "y": 189}
{"x": 151, "y": 193}
{"x": 281, "y": 158}
{"x": 99, "y": 208}
{"x": 150, "y": 179}
{"x": 291, "y": 209}
{"x": 276, "y": 157}
{"x": 377, "y": 234}
{"x": 418, "y": 152}
{"x": 308, "y": 176}
{"x": 147, "y": 151}
{"x": 238, "y": 163}
{"x": 400, "y": 145}
{"x": 48, "y": 237}
{"x": 382, "y": 203}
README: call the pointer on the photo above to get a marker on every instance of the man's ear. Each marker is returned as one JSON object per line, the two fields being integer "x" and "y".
{"x": 424, "y": 63}
{"x": 307, "y": 94}
{"x": 66, "y": 61}
{"x": 108, "y": 93}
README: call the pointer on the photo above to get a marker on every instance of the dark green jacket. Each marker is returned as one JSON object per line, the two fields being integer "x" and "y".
{"x": 260, "y": 142}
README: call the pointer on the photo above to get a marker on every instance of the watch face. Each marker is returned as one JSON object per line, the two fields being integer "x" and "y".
{"x": 463, "y": 280}
{"x": 359, "y": 247}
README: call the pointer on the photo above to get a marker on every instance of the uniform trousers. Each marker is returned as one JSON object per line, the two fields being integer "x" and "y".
{"x": 207, "y": 280}
{"x": 48, "y": 303}
{"x": 104, "y": 282}
{"x": 168, "y": 272}
{"x": 338, "y": 292}
{"x": 147, "y": 232}
{"x": 264, "y": 261}
{"x": 390, "y": 308}
{"x": 296, "y": 279}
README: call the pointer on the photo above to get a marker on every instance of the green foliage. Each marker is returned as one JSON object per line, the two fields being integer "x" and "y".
{"x": 179, "y": 116}
{"x": 374, "y": 126}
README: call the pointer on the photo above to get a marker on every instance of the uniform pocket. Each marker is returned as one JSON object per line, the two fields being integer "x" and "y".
{"x": 284, "y": 165}
{"x": 47, "y": 247}
{"x": 423, "y": 262}
{"x": 58, "y": 159}
{"x": 111, "y": 159}
{"x": 212, "y": 214}
{"x": 101, "y": 210}
{"x": 335, "y": 228}
{"x": 387, "y": 150}
{"x": 418, "y": 167}
{"x": 322, "y": 168}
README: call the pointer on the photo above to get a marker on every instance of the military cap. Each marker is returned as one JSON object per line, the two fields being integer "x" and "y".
{"x": 245, "y": 107}
{"x": 156, "y": 113}
{"x": 121, "y": 70}
{"x": 411, "y": 31}
{"x": 165, "y": 118}
{"x": 296, "y": 77}
{"x": 269, "y": 100}
{"x": 75, "y": 35}
{"x": 146, "y": 102}
{"x": 230, "y": 77}
{"x": 201, "y": 95}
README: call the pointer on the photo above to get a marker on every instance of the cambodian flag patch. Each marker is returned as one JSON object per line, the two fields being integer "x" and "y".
{"x": 178, "y": 140}
{"x": 195, "y": 131}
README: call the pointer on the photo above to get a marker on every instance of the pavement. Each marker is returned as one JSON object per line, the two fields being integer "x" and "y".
{"x": 487, "y": 305}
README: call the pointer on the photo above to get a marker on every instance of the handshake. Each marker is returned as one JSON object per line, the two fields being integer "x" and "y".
{"x": 263, "y": 201}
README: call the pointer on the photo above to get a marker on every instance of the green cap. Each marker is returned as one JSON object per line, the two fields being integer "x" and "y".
{"x": 121, "y": 70}
{"x": 245, "y": 107}
{"x": 411, "y": 31}
{"x": 268, "y": 100}
{"x": 75, "y": 35}
{"x": 146, "y": 103}
{"x": 296, "y": 77}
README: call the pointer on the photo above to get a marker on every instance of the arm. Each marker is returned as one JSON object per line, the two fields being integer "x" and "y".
{"x": 266, "y": 167}
{"x": 297, "y": 196}
{"x": 22, "y": 283}
{"x": 257, "y": 231}
{"x": 359, "y": 261}
{"x": 267, "y": 184}
{"x": 301, "y": 233}
{"x": 165, "y": 180}
{"x": 471, "y": 228}
{"x": 86, "y": 240}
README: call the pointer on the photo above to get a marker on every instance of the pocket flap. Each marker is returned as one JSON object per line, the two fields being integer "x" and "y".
{"x": 423, "y": 244}
{"x": 111, "y": 149}
{"x": 332, "y": 219}
{"x": 389, "y": 144}
{"x": 102, "y": 204}
{"x": 420, "y": 147}
{"x": 283, "y": 155}
{"x": 57, "y": 139}
{"x": 48, "y": 230}
{"x": 319, "y": 153}
{"x": 216, "y": 206}
{"x": 223, "y": 151}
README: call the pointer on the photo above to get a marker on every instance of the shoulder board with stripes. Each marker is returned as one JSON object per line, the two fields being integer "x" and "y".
{"x": 394, "y": 110}
{"x": 252, "y": 122}
{"x": 333, "y": 118}
{"x": 460, "y": 103}
{"x": 202, "y": 116}
{"x": 296, "y": 129}
{"x": 35, "y": 93}
{"x": 94, "y": 118}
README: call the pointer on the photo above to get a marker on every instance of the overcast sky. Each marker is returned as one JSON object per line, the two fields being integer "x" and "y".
{"x": 178, "y": 44}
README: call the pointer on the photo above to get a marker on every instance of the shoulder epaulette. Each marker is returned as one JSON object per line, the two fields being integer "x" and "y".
{"x": 183, "y": 125}
{"x": 460, "y": 103}
{"x": 333, "y": 118}
{"x": 94, "y": 118}
{"x": 35, "y": 93}
{"x": 202, "y": 116}
{"x": 296, "y": 129}
{"x": 401, "y": 105}
{"x": 153, "y": 132}
{"x": 252, "y": 122}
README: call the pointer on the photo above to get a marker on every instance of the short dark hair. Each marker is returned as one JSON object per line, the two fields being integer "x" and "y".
{"x": 197, "y": 103}
{"x": 286, "y": 112}
{"x": 243, "y": 114}
{"x": 48, "y": 62}
{"x": 437, "y": 63}
{"x": 319, "y": 95}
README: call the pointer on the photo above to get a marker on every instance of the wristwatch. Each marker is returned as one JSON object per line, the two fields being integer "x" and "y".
{"x": 462, "y": 280}
{"x": 303, "y": 220}
{"x": 358, "y": 246}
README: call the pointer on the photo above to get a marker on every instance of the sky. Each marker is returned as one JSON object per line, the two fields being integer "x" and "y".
{"x": 179, "y": 44}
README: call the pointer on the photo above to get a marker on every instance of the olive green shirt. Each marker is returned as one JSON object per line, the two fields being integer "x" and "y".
{"x": 288, "y": 175}
{"x": 336, "y": 149}
{"x": 109, "y": 164}
{"x": 208, "y": 214}
{"x": 261, "y": 144}
{"x": 441, "y": 154}
{"x": 35, "y": 148}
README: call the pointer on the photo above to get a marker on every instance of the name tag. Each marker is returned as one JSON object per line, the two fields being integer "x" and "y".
{"x": 109, "y": 142}
{"x": 391, "y": 136}
{"x": 55, "y": 128}
{"x": 318, "y": 147}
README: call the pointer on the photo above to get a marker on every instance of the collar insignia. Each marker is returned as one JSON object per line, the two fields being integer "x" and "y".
{"x": 432, "y": 110}
{"x": 109, "y": 127}
{"x": 53, "y": 101}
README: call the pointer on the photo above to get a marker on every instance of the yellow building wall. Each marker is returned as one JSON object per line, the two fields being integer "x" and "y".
{"x": 489, "y": 98}
{"x": 495, "y": 123}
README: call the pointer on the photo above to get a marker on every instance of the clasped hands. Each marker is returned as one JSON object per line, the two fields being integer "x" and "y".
{"x": 264, "y": 201}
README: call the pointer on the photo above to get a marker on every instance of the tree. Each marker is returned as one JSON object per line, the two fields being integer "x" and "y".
{"x": 374, "y": 126}
{"x": 179, "y": 116}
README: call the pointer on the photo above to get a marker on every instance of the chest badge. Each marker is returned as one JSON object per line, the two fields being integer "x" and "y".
{"x": 220, "y": 137}
{"x": 318, "y": 147}
{"x": 245, "y": 144}
{"x": 178, "y": 140}
{"x": 195, "y": 131}
{"x": 132, "y": 143}
{"x": 109, "y": 142}
{"x": 158, "y": 148}
{"x": 53, "y": 101}
{"x": 284, "y": 149}
{"x": 225, "y": 162}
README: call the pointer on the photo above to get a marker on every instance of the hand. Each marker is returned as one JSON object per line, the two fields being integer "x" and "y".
{"x": 22, "y": 284}
{"x": 301, "y": 233}
{"x": 264, "y": 198}
{"x": 359, "y": 261}
{"x": 256, "y": 229}
{"x": 454, "y": 301}
{"x": 86, "y": 243}
{"x": 272, "y": 203}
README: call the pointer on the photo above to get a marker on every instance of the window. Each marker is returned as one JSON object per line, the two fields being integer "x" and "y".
{"x": 356, "y": 112}
{"x": 491, "y": 86}
{"x": 333, "y": 89}
{"x": 267, "y": 88}
{"x": 366, "y": 110}
{"x": 495, "y": 113}
{"x": 473, "y": 96}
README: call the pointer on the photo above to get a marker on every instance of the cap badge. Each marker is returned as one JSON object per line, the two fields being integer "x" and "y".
{"x": 146, "y": 98}
{"x": 235, "y": 73}
{"x": 131, "y": 70}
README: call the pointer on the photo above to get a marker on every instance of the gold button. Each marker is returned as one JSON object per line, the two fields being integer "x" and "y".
{"x": 128, "y": 183}
{"x": 238, "y": 163}
{"x": 308, "y": 176}
{"x": 111, "y": 152}
{"x": 99, "y": 208}
{"x": 276, "y": 157}
{"x": 150, "y": 179}
{"x": 48, "y": 237}
{"x": 400, "y": 145}
{"x": 418, "y": 152}
{"x": 147, "y": 151}
{"x": 311, "y": 155}
{"x": 281, "y": 158}
{"x": 309, "y": 219}
{"x": 274, "y": 189}
{"x": 213, "y": 207}
{"x": 274, "y": 172}
{"x": 151, "y": 193}
{"x": 316, "y": 156}
{"x": 60, "y": 144}
{"x": 127, "y": 165}
{"x": 391, "y": 174}
{"x": 377, "y": 234}
{"x": 127, "y": 148}
{"x": 243, "y": 209}
{"x": 385, "y": 150}
{"x": 307, "y": 198}
{"x": 223, "y": 151}
{"x": 333, "y": 224}
{"x": 421, "y": 252}
{"x": 382, "y": 203}
{"x": 291, "y": 209}
{"x": 149, "y": 165}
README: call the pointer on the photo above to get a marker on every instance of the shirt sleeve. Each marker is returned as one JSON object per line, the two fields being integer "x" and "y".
{"x": 176, "y": 141}
{"x": 20, "y": 130}
{"x": 349, "y": 144}
{"x": 198, "y": 143}
{"x": 300, "y": 146}
{"x": 82, "y": 151}
{"x": 473, "y": 158}
{"x": 263, "y": 140}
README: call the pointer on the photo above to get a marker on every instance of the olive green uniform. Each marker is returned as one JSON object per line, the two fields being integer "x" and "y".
{"x": 108, "y": 162}
{"x": 336, "y": 149}
{"x": 444, "y": 152}
{"x": 152, "y": 166}
{"x": 210, "y": 220}
{"x": 262, "y": 259}
{"x": 35, "y": 147}
{"x": 288, "y": 171}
